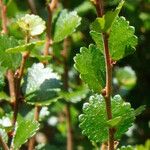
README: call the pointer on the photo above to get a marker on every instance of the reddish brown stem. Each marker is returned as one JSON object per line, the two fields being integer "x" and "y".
{"x": 3, "y": 144}
{"x": 69, "y": 128}
{"x": 99, "y": 7}
{"x": 66, "y": 86}
{"x": 11, "y": 82}
{"x": 18, "y": 77}
{"x": 36, "y": 117}
{"x": 108, "y": 88}
{"x": 50, "y": 7}
{"x": 32, "y": 6}
{"x": 4, "y": 17}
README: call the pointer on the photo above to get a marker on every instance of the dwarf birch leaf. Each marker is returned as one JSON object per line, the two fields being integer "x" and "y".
{"x": 9, "y": 61}
{"x": 32, "y": 24}
{"x": 122, "y": 40}
{"x": 23, "y": 131}
{"x": 91, "y": 65}
{"x": 97, "y": 37}
{"x": 104, "y": 23}
{"x": 120, "y": 44}
{"x": 76, "y": 95}
{"x": 94, "y": 123}
{"x": 41, "y": 85}
{"x": 25, "y": 47}
{"x": 66, "y": 24}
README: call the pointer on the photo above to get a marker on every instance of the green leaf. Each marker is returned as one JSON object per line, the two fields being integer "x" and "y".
{"x": 66, "y": 24}
{"x": 84, "y": 7}
{"x": 144, "y": 147}
{"x": 2, "y": 77}
{"x": 94, "y": 121}
{"x": 23, "y": 131}
{"x": 9, "y": 61}
{"x": 4, "y": 96}
{"x": 76, "y": 95}
{"x": 41, "y": 85}
{"x": 114, "y": 122}
{"x": 126, "y": 77}
{"x": 32, "y": 24}
{"x": 25, "y": 47}
{"x": 97, "y": 37}
{"x": 103, "y": 24}
{"x": 139, "y": 110}
{"x": 91, "y": 65}
{"x": 129, "y": 147}
{"x": 120, "y": 45}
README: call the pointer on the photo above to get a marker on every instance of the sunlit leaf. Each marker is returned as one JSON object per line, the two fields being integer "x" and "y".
{"x": 94, "y": 123}
{"x": 32, "y": 24}
{"x": 25, "y": 47}
{"x": 91, "y": 65}
{"x": 104, "y": 23}
{"x": 66, "y": 24}
{"x": 120, "y": 45}
{"x": 41, "y": 85}
{"x": 23, "y": 131}
{"x": 10, "y": 61}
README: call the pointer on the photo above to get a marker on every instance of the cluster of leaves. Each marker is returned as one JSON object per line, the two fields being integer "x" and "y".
{"x": 43, "y": 86}
{"x": 40, "y": 84}
{"x": 91, "y": 65}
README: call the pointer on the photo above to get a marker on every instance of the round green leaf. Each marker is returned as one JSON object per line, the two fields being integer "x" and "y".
{"x": 91, "y": 65}
{"x": 32, "y": 24}
{"x": 66, "y": 24}
{"x": 41, "y": 85}
{"x": 94, "y": 123}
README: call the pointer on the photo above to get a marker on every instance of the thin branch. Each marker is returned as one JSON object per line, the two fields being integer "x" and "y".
{"x": 36, "y": 117}
{"x": 18, "y": 76}
{"x": 4, "y": 17}
{"x": 50, "y": 8}
{"x": 11, "y": 82}
{"x": 69, "y": 128}
{"x": 99, "y": 7}
{"x": 3, "y": 144}
{"x": 32, "y": 6}
{"x": 66, "y": 86}
{"x": 108, "y": 88}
